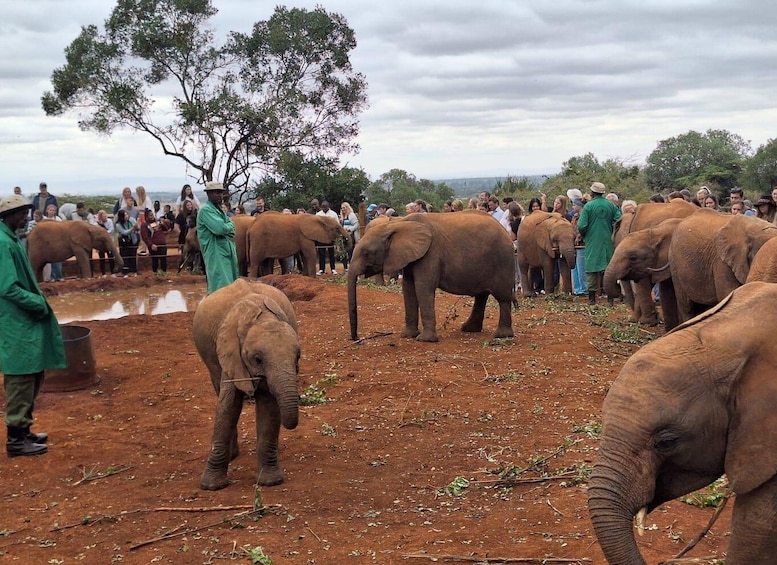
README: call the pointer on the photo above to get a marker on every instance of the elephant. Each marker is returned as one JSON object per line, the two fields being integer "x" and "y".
{"x": 542, "y": 238}
{"x": 466, "y": 253}
{"x": 686, "y": 408}
{"x": 639, "y": 257}
{"x": 710, "y": 255}
{"x": 53, "y": 242}
{"x": 764, "y": 265}
{"x": 273, "y": 235}
{"x": 191, "y": 253}
{"x": 647, "y": 215}
{"x": 246, "y": 334}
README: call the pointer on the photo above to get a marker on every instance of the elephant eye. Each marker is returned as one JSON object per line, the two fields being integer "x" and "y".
{"x": 665, "y": 443}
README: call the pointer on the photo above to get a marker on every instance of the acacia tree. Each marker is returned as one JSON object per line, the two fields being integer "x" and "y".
{"x": 715, "y": 156}
{"x": 235, "y": 108}
{"x": 760, "y": 172}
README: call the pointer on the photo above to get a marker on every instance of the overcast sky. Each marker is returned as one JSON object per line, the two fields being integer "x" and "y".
{"x": 457, "y": 88}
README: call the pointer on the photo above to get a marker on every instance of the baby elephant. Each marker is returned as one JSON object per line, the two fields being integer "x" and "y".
{"x": 246, "y": 333}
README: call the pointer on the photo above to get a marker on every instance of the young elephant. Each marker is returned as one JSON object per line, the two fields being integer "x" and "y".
{"x": 246, "y": 334}
{"x": 699, "y": 402}
{"x": 52, "y": 242}
{"x": 466, "y": 253}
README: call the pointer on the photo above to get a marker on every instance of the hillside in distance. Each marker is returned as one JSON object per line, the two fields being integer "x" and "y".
{"x": 467, "y": 187}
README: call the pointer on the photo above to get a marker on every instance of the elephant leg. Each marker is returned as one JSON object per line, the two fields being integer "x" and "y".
{"x": 526, "y": 289}
{"x": 475, "y": 321}
{"x": 643, "y": 296}
{"x": 84, "y": 261}
{"x": 684, "y": 304}
{"x": 268, "y": 428}
{"x": 753, "y": 523}
{"x": 309, "y": 259}
{"x": 411, "y": 307}
{"x": 505, "y": 327}
{"x": 548, "y": 268}
{"x": 668, "y": 304}
{"x": 255, "y": 266}
{"x": 566, "y": 277}
{"x": 228, "y": 409}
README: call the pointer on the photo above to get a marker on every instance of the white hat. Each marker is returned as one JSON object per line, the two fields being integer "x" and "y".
{"x": 598, "y": 188}
{"x": 13, "y": 203}
{"x": 574, "y": 194}
{"x": 212, "y": 185}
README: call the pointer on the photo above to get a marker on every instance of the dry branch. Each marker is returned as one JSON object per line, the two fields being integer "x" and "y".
{"x": 697, "y": 539}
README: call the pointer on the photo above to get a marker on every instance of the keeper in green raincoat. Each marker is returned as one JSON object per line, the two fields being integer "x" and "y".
{"x": 30, "y": 338}
{"x": 595, "y": 225}
{"x": 216, "y": 233}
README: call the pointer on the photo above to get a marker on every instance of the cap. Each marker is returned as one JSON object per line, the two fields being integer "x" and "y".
{"x": 13, "y": 203}
{"x": 597, "y": 188}
{"x": 41, "y": 185}
{"x": 371, "y": 207}
{"x": 211, "y": 186}
{"x": 574, "y": 194}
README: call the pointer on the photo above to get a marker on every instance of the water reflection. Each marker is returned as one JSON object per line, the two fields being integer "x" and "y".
{"x": 82, "y": 307}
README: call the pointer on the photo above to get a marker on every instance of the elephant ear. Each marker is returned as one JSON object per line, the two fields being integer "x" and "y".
{"x": 314, "y": 227}
{"x": 545, "y": 234}
{"x": 406, "y": 242}
{"x": 229, "y": 340}
{"x": 751, "y": 457}
{"x": 276, "y": 309}
{"x": 734, "y": 243}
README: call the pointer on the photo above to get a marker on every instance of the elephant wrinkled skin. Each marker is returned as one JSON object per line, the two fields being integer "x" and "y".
{"x": 466, "y": 253}
{"x": 246, "y": 334}
{"x": 694, "y": 404}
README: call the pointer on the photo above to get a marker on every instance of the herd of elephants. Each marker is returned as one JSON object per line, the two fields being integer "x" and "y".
{"x": 686, "y": 408}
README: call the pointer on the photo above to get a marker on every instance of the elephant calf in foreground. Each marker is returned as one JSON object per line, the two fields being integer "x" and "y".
{"x": 246, "y": 334}
{"x": 466, "y": 253}
{"x": 694, "y": 404}
{"x": 53, "y": 242}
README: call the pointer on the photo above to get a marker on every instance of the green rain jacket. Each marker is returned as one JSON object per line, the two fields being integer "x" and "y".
{"x": 30, "y": 338}
{"x": 595, "y": 225}
{"x": 216, "y": 233}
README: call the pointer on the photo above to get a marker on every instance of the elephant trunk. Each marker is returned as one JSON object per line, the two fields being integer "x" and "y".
{"x": 610, "y": 496}
{"x": 610, "y": 283}
{"x": 286, "y": 394}
{"x": 117, "y": 260}
{"x": 567, "y": 251}
{"x": 352, "y": 311}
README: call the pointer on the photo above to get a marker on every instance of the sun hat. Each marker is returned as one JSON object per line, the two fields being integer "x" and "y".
{"x": 598, "y": 188}
{"x": 765, "y": 199}
{"x": 13, "y": 203}
{"x": 214, "y": 186}
{"x": 574, "y": 194}
{"x": 371, "y": 207}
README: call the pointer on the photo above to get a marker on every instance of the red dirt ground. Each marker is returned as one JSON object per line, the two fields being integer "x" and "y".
{"x": 371, "y": 476}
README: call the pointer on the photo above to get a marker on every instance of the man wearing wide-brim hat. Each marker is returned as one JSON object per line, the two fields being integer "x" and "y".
{"x": 30, "y": 338}
{"x": 595, "y": 225}
{"x": 216, "y": 233}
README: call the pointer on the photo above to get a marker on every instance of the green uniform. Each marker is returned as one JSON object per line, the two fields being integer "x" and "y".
{"x": 595, "y": 225}
{"x": 30, "y": 338}
{"x": 216, "y": 233}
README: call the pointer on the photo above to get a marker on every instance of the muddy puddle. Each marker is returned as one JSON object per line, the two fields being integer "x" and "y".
{"x": 82, "y": 307}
